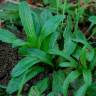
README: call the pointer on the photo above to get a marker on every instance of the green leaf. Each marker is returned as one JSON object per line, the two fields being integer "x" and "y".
{"x": 40, "y": 87}
{"x": 87, "y": 77}
{"x": 54, "y": 94}
{"x": 92, "y": 19}
{"x": 88, "y": 81}
{"x": 82, "y": 91}
{"x": 58, "y": 79}
{"x": 67, "y": 64}
{"x": 14, "y": 83}
{"x": 3, "y": 86}
{"x": 49, "y": 27}
{"x": 43, "y": 85}
{"x": 79, "y": 37}
{"x": 50, "y": 42}
{"x": 71, "y": 64}
{"x": 93, "y": 63}
{"x": 90, "y": 53}
{"x": 18, "y": 43}
{"x": 6, "y": 36}
{"x": 92, "y": 90}
{"x": 77, "y": 52}
{"x": 23, "y": 50}
{"x": 55, "y": 3}
{"x": 45, "y": 15}
{"x": 69, "y": 46}
{"x": 87, "y": 1}
{"x": 34, "y": 92}
{"x": 51, "y": 94}
{"x": 36, "y": 21}
{"x": 10, "y": 11}
{"x": 59, "y": 53}
{"x": 23, "y": 65}
{"x": 70, "y": 78}
{"x": 41, "y": 55}
{"x": 27, "y": 22}
{"x": 67, "y": 32}
{"x": 53, "y": 40}
{"x": 83, "y": 57}
{"x": 45, "y": 1}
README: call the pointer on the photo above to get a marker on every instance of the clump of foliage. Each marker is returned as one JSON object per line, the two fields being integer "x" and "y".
{"x": 54, "y": 42}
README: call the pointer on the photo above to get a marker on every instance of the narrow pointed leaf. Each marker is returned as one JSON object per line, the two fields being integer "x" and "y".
{"x": 58, "y": 79}
{"x": 92, "y": 19}
{"x": 39, "y": 88}
{"x": 36, "y": 21}
{"x": 83, "y": 57}
{"x": 69, "y": 46}
{"x": 70, "y": 78}
{"x": 51, "y": 94}
{"x": 41, "y": 55}
{"x": 27, "y": 22}
{"x": 79, "y": 37}
{"x": 24, "y": 65}
{"x": 93, "y": 63}
{"x": 87, "y": 77}
{"x": 59, "y": 53}
{"x": 18, "y": 43}
{"x": 42, "y": 85}
{"x": 82, "y": 91}
{"x": 67, "y": 32}
{"x": 88, "y": 81}
{"x": 45, "y": 15}
{"x": 34, "y": 92}
{"x": 90, "y": 53}
{"x": 49, "y": 27}
{"x": 50, "y": 42}
{"x": 71, "y": 64}
{"x": 6, "y": 36}
{"x": 14, "y": 83}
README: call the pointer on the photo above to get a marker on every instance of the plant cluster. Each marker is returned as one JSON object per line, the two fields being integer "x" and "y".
{"x": 54, "y": 42}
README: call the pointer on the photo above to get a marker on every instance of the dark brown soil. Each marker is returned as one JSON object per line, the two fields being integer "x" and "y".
{"x": 8, "y": 58}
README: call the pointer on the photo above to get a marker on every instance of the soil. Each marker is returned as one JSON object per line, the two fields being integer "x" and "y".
{"x": 8, "y": 58}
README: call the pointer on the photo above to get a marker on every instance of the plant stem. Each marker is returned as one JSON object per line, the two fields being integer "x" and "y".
{"x": 21, "y": 85}
{"x": 57, "y": 5}
{"x": 90, "y": 27}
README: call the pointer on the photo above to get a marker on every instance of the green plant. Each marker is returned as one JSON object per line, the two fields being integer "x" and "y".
{"x": 34, "y": 48}
{"x": 54, "y": 44}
